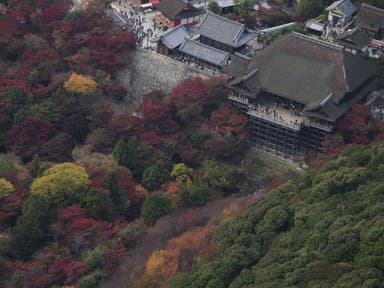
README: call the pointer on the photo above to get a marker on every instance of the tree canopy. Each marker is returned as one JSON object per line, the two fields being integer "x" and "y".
{"x": 321, "y": 229}
{"x": 6, "y": 188}
{"x": 80, "y": 84}
{"x": 154, "y": 207}
{"x": 61, "y": 181}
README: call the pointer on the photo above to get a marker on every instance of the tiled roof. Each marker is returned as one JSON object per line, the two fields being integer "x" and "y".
{"x": 345, "y": 6}
{"x": 224, "y": 30}
{"x": 237, "y": 65}
{"x": 204, "y": 52}
{"x": 356, "y": 39}
{"x": 315, "y": 26}
{"x": 370, "y": 17}
{"x": 173, "y": 38}
{"x": 177, "y": 9}
{"x": 307, "y": 70}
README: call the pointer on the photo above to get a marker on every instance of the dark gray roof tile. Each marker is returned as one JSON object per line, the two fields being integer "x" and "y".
{"x": 177, "y": 9}
{"x": 345, "y": 6}
{"x": 370, "y": 17}
{"x": 204, "y": 52}
{"x": 224, "y": 30}
{"x": 307, "y": 70}
{"x": 356, "y": 39}
{"x": 174, "y": 37}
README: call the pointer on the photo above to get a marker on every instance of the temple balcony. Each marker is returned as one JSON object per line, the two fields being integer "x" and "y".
{"x": 277, "y": 115}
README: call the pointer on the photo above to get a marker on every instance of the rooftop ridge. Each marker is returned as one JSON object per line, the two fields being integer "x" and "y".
{"x": 202, "y": 21}
{"x": 317, "y": 41}
{"x": 326, "y": 99}
{"x": 250, "y": 74}
{"x": 169, "y": 31}
{"x": 372, "y": 7}
{"x": 224, "y": 18}
{"x": 238, "y": 34}
{"x": 188, "y": 39}
{"x": 242, "y": 56}
{"x": 335, "y": 4}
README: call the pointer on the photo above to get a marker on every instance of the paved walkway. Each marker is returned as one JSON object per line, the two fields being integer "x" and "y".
{"x": 143, "y": 25}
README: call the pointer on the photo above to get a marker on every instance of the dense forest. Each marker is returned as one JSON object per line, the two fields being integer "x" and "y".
{"x": 322, "y": 229}
{"x": 91, "y": 191}
{"x": 79, "y": 179}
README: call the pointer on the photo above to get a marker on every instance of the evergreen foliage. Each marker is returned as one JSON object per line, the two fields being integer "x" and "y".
{"x": 322, "y": 229}
{"x": 154, "y": 176}
{"x": 154, "y": 207}
{"x": 31, "y": 228}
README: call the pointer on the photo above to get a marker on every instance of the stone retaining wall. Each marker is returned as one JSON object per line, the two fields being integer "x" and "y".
{"x": 153, "y": 71}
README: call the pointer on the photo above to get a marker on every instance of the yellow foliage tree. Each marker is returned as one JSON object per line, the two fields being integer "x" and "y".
{"x": 80, "y": 84}
{"x": 195, "y": 239}
{"x": 180, "y": 172}
{"x": 160, "y": 266}
{"x": 61, "y": 181}
{"x": 154, "y": 262}
{"x": 6, "y": 188}
{"x": 230, "y": 212}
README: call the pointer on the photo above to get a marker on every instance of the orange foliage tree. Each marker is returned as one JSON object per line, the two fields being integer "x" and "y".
{"x": 80, "y": 84}
{"x": 176, "y": 257}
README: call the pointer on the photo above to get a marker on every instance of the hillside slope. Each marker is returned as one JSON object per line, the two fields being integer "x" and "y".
{"x": 323, "y": 229}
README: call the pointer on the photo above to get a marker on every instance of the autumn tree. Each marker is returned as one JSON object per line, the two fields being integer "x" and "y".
{"x": 27, "y": 138}
{"x": 189, "y": 91}
{"x": 10, "y": 209}
{"x": 58, "y": 149}
{"x": 61, "y": 183}
{"x": 189, "y": 98}
{"x": 229, "y": 132}
{"x": 154, "y": 207}
{"x": 180, "y": 172}
{"x": 6, "y": 188}
{"x": 157, "y": 118}
{"x": 125, "y": 126}
{"x": 357, "y": 125}
{"x": 80, "y": 84}
{"x": 78, "y": 231}
{"x": 110, "y": 51}
{"x": 161, "y": 265}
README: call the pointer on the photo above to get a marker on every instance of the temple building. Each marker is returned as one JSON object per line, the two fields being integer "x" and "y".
{"x": 175, "y": 12}
{"x": 295, "y": 90}
{"x": 204, "y": 54}
{"x": 170, "y": 40}
{"x": 354, "y": 41}
{"x": 223, "y": 33}
{"x": 341, "y": 12}
{"x": 371, "y": 19}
